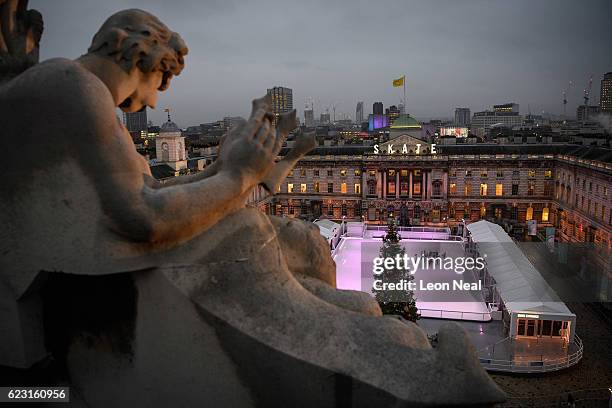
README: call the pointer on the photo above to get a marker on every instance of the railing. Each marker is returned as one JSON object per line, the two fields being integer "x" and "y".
{"x": 536, "y": 366}
{"x": 411, "y": 229}
{"x": 420, "y": 233}
{"x": 455, "y": 314}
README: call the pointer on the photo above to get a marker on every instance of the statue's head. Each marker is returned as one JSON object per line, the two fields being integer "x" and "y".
{"x": 143, "y": 47}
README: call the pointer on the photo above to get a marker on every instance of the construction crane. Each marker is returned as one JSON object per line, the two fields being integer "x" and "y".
{"x": 565, "y": 91}
{"x": 587, "y": 93}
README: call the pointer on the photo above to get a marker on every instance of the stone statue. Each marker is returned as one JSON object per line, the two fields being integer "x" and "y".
{"x": 175, "y": 294}
{"x": 21, "y": 32}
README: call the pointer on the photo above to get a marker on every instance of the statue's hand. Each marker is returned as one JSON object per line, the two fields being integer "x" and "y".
{"x": 20, "y": 32}
{"x": 248, "y": 152}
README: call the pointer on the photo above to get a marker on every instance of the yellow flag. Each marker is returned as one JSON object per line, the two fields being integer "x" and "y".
{"x": 399, "y": 81}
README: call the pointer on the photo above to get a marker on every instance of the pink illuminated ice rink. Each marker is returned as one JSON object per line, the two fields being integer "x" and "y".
{"x": 456, "y": 305}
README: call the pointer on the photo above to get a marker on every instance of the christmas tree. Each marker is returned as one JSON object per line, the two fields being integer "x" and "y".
{"x": 395, "y": 302}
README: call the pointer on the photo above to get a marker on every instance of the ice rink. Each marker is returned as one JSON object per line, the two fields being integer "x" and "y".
{"x": 355, "y": 255}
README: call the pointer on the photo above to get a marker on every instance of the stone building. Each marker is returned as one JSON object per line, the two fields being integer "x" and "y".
{"x": 562, "y": 186}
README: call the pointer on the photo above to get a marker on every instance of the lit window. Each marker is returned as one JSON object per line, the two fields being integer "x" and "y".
{"x": 290, "y": 173}
{"x": 531, "y": 188}
{"x": 453, "y": 188}
{"x": 303, "y": 173}
{"x": 357, "y": 188}
{"x": 484, "y": 174}
{"x": 303, "y": 188}
{"x": 316, "y": 187}
{"x": 290, "y": 187}
{"x": 342, "y": 173}
{"x": 343, "y": 188}
{"x": 357, "y": 172}
{"x": 483, "y": 211}
{"x": 372, "y": 173}
{"x": 529, "y": 215}
{"x": 483, "y": 189}
{"x": 499, "y": 189}
{"x": 545, "y": 214}
{"x": 416, "y": 188}
{"x": 468, "y": 189}
{"x": 548, "y": 174}
{"x": 531, "y": 173}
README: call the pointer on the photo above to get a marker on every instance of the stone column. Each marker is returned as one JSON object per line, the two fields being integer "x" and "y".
{"x": 384, "y": 184}
{"x": 397, "y": 184}
{"x": 410, "y": 184}
{"x": 364, "y": 184}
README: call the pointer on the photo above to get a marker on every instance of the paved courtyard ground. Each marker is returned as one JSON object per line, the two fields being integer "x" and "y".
{"x": 593, "y": 372}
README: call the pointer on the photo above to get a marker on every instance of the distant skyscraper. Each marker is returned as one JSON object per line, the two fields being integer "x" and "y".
{"x": 392, "y": 112}
{"x": 325, "y": 119}
{"x": 309, "y": 118}
{"x": 462, "y": 116}
{"x": 377, "y": 108}
{"x": 136, "y": 121}
{"x": 282, "y": 100}
{"x": 359, "y": 112}
{"x": 605, "y": 96}
{"x": 506, "y": 115}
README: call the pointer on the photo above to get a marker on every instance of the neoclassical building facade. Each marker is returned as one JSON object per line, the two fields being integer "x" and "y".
{"x": 562, "y": 186}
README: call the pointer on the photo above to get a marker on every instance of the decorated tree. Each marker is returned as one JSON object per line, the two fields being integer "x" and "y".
{"x": 395, "y": 302}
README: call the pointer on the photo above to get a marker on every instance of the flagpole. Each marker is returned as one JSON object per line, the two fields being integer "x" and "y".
{"x": 404, "y": 81}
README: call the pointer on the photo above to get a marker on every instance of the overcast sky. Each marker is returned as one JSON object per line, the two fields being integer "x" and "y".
{"x": 453, "y": 53}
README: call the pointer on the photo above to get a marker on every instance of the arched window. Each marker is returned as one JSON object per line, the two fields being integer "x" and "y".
{"x": 436, "y": 188}
{"x": 165, "y": 152}
{"x": 529, "y": 215}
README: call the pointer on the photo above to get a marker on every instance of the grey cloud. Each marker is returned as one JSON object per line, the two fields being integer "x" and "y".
{"x": 471, "y": 52}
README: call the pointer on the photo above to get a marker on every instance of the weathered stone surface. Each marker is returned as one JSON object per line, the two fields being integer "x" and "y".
{"x": 175, "y": 294}
{"x": 19, "y": 38}
{"x": 348, "y": 299}
{"x": 305, "y": 249}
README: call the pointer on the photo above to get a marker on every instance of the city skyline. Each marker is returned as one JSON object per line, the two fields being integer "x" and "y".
{"x": 454, "y": 54}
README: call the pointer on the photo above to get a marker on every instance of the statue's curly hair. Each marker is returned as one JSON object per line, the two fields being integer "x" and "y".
{"x": 137, "y": 38}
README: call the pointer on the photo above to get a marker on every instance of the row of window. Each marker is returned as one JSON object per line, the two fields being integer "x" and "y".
{"x": 316, "y": 188}
{"x": 330, "y": 173}
{"x": 499, "y": 189}
{"x": 498, "y": 213}
{"x": 416, "y": 189}
{"x": 500, "y": 173}
{"x": 598, "y": 189}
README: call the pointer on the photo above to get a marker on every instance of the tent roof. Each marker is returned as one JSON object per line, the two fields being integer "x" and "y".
{"x": 327, "y": 228}
{"x": 519, "y": 283}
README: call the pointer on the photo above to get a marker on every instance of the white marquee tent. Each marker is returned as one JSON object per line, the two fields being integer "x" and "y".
{"x": 521, "y": 287}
